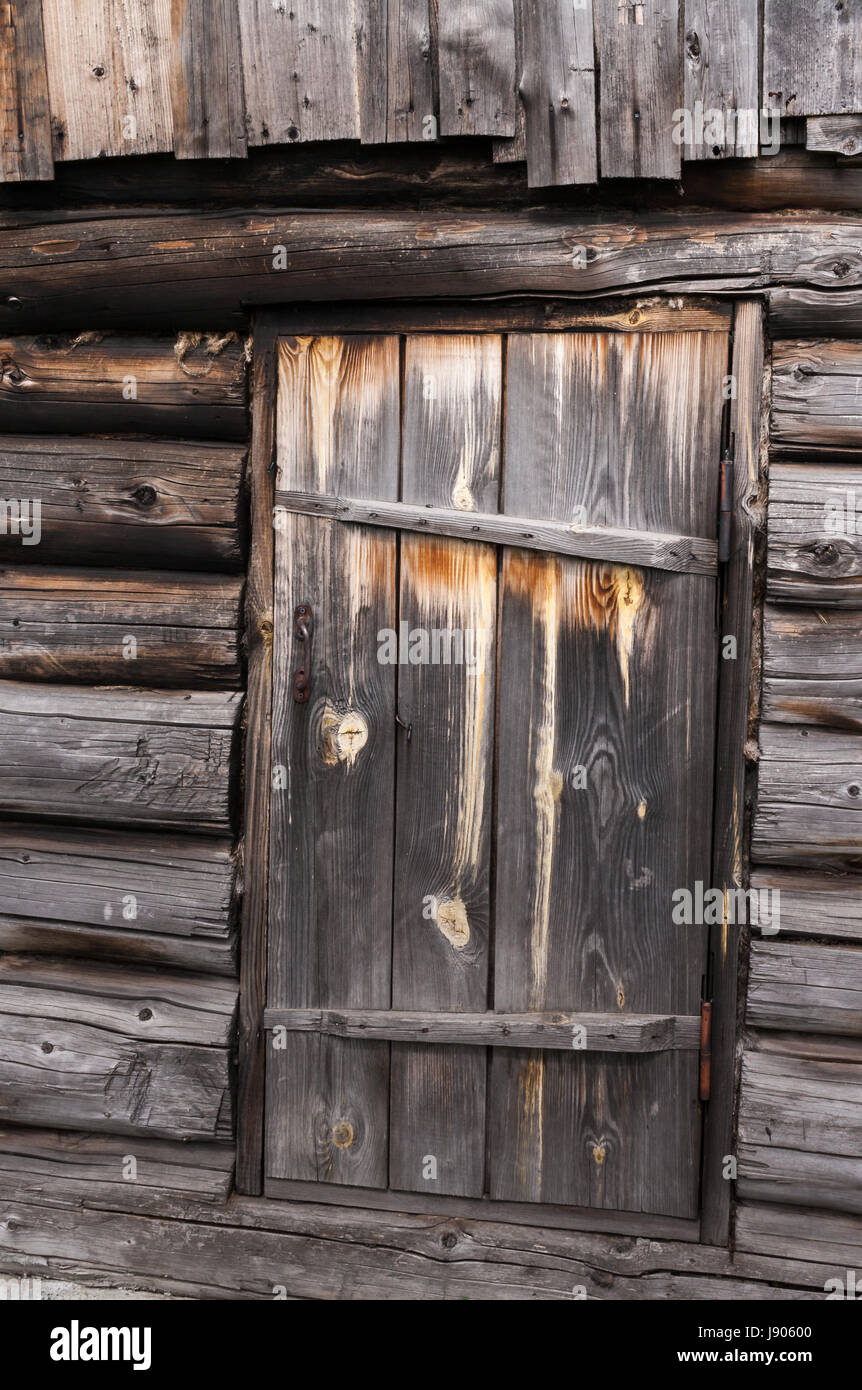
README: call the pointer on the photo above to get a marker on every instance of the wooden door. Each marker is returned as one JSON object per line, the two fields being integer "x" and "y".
{"x": 493, "y": 737}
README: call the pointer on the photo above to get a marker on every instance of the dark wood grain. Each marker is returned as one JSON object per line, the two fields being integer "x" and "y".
{"x": 25, "y": 116}
{"x": 808, "y": 313}
{"x": 557, "y": 88}
{"x": 812, "y": 666}
{"x": 721, "y": 54}
{"x": 206, "y": 80}
{"x": 815, "y": 538}
{"x": 299, "y": 71}
{"x": 639, "y": 89}
{"x": 476, "y": 47}
{"x": 816, "y": 403}
{"x": 397, "y": 71}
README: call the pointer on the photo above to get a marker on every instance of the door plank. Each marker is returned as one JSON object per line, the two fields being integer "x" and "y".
{"x": 451, "y": 430}
{"x": 333, "y": 763}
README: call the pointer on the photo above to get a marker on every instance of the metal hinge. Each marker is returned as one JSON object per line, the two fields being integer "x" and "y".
{"x": 725, "y": 503}
{"x": 705, "y": 1049}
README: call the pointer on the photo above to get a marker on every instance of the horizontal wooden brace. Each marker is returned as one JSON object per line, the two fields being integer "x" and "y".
{"x": 587, "y": 1032}
{"x": 614, "y": 544}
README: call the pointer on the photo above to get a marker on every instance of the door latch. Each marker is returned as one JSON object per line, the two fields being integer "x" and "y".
{"x": 302, "y": 630}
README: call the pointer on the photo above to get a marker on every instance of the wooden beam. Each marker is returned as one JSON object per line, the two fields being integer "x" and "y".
{"x": 216, "y": 264}
{"x": 206, "y": 80}
{"x": 816, "y": 400}
{"x": 812, "y": 988}
{"x": 812, "y": 666}
{"x": 838, "y": 134}
{"x": 25, "y": 115}
{"x": 815, "y": 905}
{"x": 809, "y": 803}
{"x": 815, "y": 535}
{"x": 584, "y": 1031}
{"x": 614, "y": 544}
{"x": 807, "y": 313}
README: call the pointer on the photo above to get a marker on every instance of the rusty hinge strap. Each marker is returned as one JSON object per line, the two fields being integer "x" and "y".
{"x": 705, "y": 1049}
{"x": 725, "y": 505}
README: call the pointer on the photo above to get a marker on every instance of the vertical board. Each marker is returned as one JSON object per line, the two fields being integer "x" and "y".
{"x": 333, "y": 761}
{"x": 722, "y": 67}
{"x": 109, "y": 64}
{"x": 451, "y": 434}
{"x": 607, "y": 688}
{"x": 396, "y": 71}
{"x": 476, "y": 44}
{"x": 299, "y": 70}
{"x": 25, "y": 116}
{"x": 206, "y": 80}
{"x": 640, "y": 87}
{"x": 812, "y": 56}
{"x": 558, "y": 91}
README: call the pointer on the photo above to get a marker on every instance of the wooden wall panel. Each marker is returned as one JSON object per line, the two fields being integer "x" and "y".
{"x": 812, "y": 57}
{"x": 807, "y": 988}
{"x": 816, "y": 396}
{"x": 557, "y": 88}
{"x": 818, "y": 905}
{"x": 812, "y": 666}
{"x": 722, "y": 71}
{"x": 397, "y": 71}
{"x": 809, "y": 803}
{"x": 206, "y": 80}
{"x": 476, "y": 41}
{"x": 299, "y": 70}
{"x": 640, "y": 88}
{"x": 109, "y": 65}
{"x": 815, "y": 535}
{"x": 25, "y": 117}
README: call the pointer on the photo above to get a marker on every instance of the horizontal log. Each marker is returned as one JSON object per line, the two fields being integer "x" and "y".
{"x": 215, "y": 265}
{"x": 812, "y": 988}
{"x": 119, "y": 627}
{"x": 802, "y": 1233}
{"x": 809, "y": 802}
{"x": 834, "y": 134}
{"x": 130, "y": 502}
{"x": 794, "y": 1178}
{"x": 812, "y": 666}
{"x": 815, "y": 535}
{"x": 816, "y": 404}
{"x": 122, "y": 756}
{"x": 658, "y": 314}
{"x": 590, "y": 1032}
{"x": 789, "y": 1103}
{"x": 142, "y": 898}
{"x": 614, "y": 544}
{"x": 806, "y": 313}
{"x": 827, "y": 905}
{"x": 44, "y": 1159}
{"x": 814, "y": 1047}
{"x": 95, "y": 384}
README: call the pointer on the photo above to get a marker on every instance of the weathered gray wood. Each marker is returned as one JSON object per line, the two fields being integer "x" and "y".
{"x": 589, "y": 791}
{"x": 815, "y": 535}
{"x": 809, "y": 803}
{"x": 722, "y": 70}
{"x": 91, "y": 383}
{"x": 792, "y": 1177}
{"x": 841, "y": 134}
{"x": 816, "y": 403}
{"x": 597, "y": 1032}
{"x": 109, "y": 76}
{"x": 299, "y": 70}
{"x": 122, "y": 756}
{"x": 331, "y": 862}
{"x": 513, "y": 149}
{"x": 557, "y": 89}
{"x": 120, "y": 628}
{"x": 452, "y": 406}
{"x": 771, "y": 1230}
{"x": 45, "y": 1160}
{"x": 811, "y": 57}
{"x": 25, "y": 117}
{"x": 206, "y": 80}
{"x": 133, "y": 502}
{"x": 813, "y": 988}
{"x": 812, "y": 666}
{"x": 827, "y": 905}
{"x": 807, "y": 313}
{"x": 639, "y": 89}
{"x": 789, "y": 1103}
{"x": 476, "y": 54}
{"x": 687, "y": 554}
{"x": 815, "y": 1047}
{"x": 216, "y": 264}
{"x": 148, "y": 899}
{"x": 396, "y": 71}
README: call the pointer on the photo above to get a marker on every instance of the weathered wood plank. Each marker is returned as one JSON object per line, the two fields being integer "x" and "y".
{"x": 807, "y": 313}
{"x": 333, "y": 756}
{"x": 109, "y": 76}
{"x": 299, "y": 70}
{"x": 640, "y": 87}
{"x": 815, "y": 535}
{"x": 452, "y": 406}
{"x": 119, "y": 627}
{"x": 396, "y": 71}
{"x": 145, "y": 899}
{"x": 557, "y": 89}
{"x": 598, "y": 1032}
{"x": 813, "y": 988}
{"x": 476, "y": 55}
{"x": 192, "y": 386}
{"x": 827, "y": 905}
{"x": 217, "y": 263}
{"x": 812, "y": 666}
{"x": 811, "y": 57}
{"x": 25, "y": 116}
{"x": 803, "y": 1233}
{"x": 809, "y": 806}
{"x": 840, "y": 134}
{"x": 123, "y": 756}
{"x": 130, "y": 502}
{"x": 621, "y": 545}
{"x": 206, "y": 80}
{"x": 791, "y": 1177}
{"x": 789, "y": 1103}
{"x": 816, "y": 401}
{"x": 721, "y": 73}
{"x": 45, "y": 1160}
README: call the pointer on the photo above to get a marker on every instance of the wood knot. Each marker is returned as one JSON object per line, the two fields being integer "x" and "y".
{"x": 342, "y": 1134}
{"x": 145, "y": 495}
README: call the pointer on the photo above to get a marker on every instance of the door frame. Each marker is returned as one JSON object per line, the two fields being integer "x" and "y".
{"x": 745, "y": 320}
